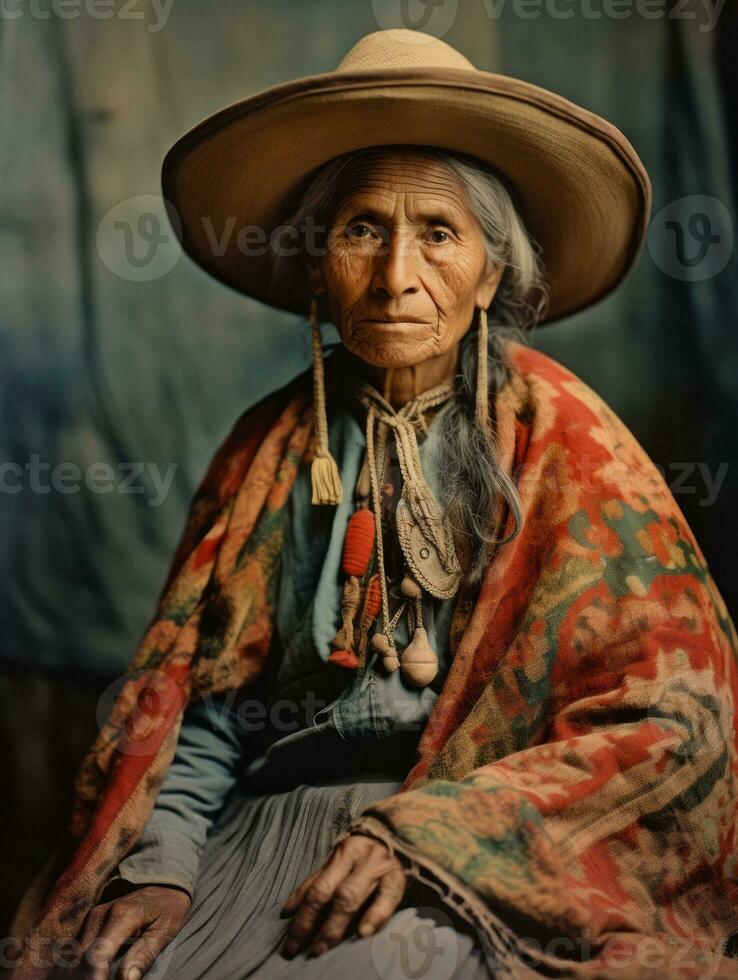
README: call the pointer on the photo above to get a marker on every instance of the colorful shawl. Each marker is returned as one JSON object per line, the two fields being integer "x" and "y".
{"x": 575, "y": 794}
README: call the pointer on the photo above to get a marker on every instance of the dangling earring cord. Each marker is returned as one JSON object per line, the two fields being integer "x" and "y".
{"x": 482, "y": 393}
{"x": 324, "y": 475}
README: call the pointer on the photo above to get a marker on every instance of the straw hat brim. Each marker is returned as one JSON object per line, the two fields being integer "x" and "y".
{"x": 584, "y": 194}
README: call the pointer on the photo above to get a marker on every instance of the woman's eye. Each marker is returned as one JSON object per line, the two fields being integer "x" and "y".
{"x": 439, "y": 236}
{"x": 359, "y": 230}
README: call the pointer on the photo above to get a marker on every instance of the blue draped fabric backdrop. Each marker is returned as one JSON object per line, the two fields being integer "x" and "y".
{"x": 146, "y": 377}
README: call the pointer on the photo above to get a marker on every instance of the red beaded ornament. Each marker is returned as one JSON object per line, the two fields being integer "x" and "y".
{"x": 358, "y": 543}
{"x": 358, "y": 547}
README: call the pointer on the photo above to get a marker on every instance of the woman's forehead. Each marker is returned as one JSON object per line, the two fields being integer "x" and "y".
{"x": 404, "y": 170}
{"x": 381, "y": 177}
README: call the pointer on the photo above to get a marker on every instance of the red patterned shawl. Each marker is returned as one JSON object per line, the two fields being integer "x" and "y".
{"x": 576, "y": 788}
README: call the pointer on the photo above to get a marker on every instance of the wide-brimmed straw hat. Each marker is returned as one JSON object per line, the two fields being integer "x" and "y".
{"x": 583, "y": 192}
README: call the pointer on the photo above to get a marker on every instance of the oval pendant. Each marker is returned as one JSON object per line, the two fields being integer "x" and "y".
{"x": 422, "y": 555}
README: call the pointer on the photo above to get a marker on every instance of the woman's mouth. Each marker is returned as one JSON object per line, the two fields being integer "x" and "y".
{"x": 391, "y": 321}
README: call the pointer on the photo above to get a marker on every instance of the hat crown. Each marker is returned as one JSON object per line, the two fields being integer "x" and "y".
{"x": 402, "y": 48}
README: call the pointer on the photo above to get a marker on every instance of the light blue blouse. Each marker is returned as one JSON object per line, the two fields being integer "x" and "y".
{"x": 224, "y": 739}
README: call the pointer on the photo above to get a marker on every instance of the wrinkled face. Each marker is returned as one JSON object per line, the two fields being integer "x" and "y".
{"x": 405, "y": 264}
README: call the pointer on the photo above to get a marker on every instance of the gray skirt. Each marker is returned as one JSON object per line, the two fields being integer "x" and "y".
{"x": 261, "y": 849}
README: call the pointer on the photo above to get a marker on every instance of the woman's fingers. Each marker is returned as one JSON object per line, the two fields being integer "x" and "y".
{"x": 354, "y": 891}
{"x": 92, "y": 925}
{"x": 336, "y": 894}
{"x": 299, "y": 893}
{"x": 314, "y": 898}
{"x": 389, "y": 895}
{"x": 121, "y": 922}
{"x": 348, "y": 899}
{"x": 142, "y": 955}
{"x": 166, "y": 909}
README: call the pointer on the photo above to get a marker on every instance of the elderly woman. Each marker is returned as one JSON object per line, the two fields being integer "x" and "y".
{"x": 439, "y": 683}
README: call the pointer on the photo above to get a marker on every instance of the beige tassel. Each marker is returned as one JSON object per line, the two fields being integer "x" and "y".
{"x": 482, "y": 393}
{"x": 324, "y": 474}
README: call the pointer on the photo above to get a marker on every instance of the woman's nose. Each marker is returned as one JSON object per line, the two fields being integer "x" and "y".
{"x": 396, "y": 271}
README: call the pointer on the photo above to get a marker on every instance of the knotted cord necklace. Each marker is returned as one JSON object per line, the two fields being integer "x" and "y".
{"x": 427, "y": 545}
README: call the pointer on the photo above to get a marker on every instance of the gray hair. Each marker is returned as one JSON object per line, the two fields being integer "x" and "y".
{"x": 472, "y": 478}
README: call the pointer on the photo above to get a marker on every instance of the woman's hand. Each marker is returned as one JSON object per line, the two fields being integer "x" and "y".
{"x": 358, "y": 870}
{"x": 156, "y": 911}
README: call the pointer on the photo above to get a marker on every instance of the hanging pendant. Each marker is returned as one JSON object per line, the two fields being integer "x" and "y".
{"x": 421, "y": 553}
{"x": 387, "y": 652}
{"x": 410, "y": 588}
{"x": 418, "y": 661}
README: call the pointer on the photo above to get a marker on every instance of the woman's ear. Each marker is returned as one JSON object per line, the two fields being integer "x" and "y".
{"x": 489, "y": 285}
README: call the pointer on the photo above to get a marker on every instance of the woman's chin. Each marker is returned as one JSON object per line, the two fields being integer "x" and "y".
{"x": 402, "y": 350}
{"x": 389, "y": 360}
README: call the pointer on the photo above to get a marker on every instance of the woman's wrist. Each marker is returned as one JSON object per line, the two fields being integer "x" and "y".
{"x": 118, "y": 887}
